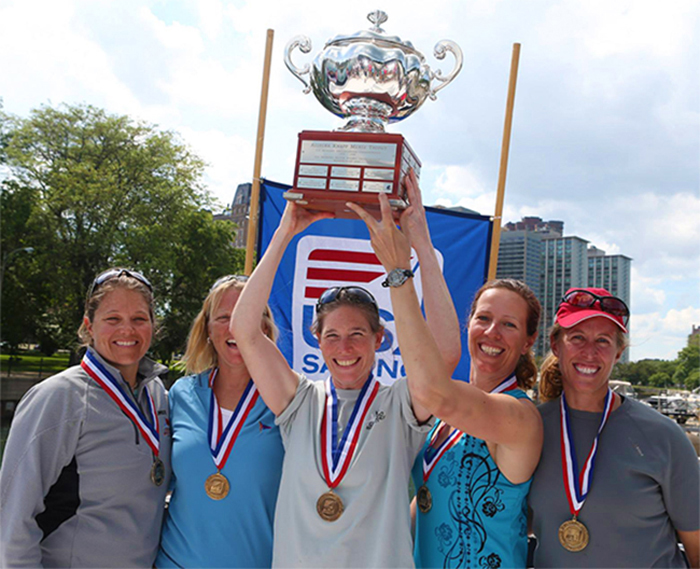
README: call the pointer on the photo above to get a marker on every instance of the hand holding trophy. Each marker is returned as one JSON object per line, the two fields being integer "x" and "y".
{"x": 371, "y": 79}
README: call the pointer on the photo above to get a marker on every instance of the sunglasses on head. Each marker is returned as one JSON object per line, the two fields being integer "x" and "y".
{"x": 610, "y": 304}
{"x": 353, "y": 293}
{"x": 115, "y": 274}
{"x": 228, "y": 278}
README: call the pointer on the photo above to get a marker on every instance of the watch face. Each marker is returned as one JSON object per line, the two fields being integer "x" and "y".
{"x": 397, "y": 277}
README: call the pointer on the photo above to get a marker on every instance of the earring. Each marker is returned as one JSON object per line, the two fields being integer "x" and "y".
{"x": 209, "y": 341}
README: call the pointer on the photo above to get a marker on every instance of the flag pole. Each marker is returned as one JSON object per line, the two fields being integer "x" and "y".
{"x": 505, "y": 147}
{"x": 255, "y": 190}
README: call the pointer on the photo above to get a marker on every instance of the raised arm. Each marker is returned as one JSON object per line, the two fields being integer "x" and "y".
{"x": 440, "y": 311}
{"x": 273, "y": 376}
{"x": 499, "y": 419}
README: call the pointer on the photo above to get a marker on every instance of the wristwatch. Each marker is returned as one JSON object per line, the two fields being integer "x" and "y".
{"x": 397, "y": 277}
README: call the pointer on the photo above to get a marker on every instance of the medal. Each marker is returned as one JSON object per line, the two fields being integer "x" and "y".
{"x": 216, "y": 486}
{"x": 424, "y": 499}
{"x": 223, "y": 437}
{"x": 158, "y": 472}
{"x": 148, "y": 427}
{"x": 336, "y": 455}
{"x": 330, "y": 506}
{"x": 432, "y": 455}
{"x": 573, "y": 535}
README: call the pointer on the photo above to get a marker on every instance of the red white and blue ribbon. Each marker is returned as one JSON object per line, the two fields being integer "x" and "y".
{"x": 432, "y": 455}
{"x": 578, "y": 484}
{"x": 222, "y": 436}
{"x": 336, "y": 456}
{"x": 148, "y": 426}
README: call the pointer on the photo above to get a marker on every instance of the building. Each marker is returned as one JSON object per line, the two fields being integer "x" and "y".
{"x": 565, "y": 267}
{"x": 538, "y": 253}
{"x": 238, "y": 212}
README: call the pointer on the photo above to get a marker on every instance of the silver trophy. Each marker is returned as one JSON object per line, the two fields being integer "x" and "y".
{"x": 371, "y": 78}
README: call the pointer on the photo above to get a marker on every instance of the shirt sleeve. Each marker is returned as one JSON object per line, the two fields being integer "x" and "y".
{"x": 681, "y": 489}
{"x": 42, "y": 441}
{"x": 415, "y": 432}
{"x": 285, "y": 420}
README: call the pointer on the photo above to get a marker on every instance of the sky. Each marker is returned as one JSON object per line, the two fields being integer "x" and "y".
{"x": 606, "y": 127}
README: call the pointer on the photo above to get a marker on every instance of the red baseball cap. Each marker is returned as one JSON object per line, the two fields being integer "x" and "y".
{"x": 576, "y": 308}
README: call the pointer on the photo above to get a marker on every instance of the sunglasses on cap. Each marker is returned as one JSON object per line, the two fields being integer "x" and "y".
{"x": 226, "y": 279}
{"x": 353, "y": 293}
{"x": 610, "y": 304}
{"x": 115, "y": 274}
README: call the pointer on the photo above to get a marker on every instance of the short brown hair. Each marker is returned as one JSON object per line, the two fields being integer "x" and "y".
{"x": 97, "y": 294}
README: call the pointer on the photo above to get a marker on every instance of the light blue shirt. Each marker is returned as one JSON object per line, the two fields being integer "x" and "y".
{"x": 237, "y": 530}
{"x": 478, "y": 518}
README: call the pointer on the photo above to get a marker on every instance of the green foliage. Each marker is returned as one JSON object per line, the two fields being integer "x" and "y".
{"x": 88, "y": 190}
{"x": 660, "y": 379}
{"x": 640, "y": 373}
{"x": 688, "y": 369}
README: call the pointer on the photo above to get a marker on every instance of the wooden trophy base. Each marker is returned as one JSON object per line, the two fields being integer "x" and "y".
{"x": 333, "y": 168}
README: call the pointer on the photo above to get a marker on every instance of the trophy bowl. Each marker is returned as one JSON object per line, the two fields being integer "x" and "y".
{"x": 370, "y": 78}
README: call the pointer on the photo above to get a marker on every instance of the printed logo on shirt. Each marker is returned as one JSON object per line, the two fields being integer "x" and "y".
{"x": 323, "y": 262}
{"x": 374, "y": 419}
{"x": 263, "y": 427}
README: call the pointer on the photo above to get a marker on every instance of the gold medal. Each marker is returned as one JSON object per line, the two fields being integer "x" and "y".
{"x": 424, "y": 499}
{"x": 330, "y": 506}
{"x": 158, "y": 472}
{"x": 573, "y": 535}
{"x": 217, "y": 486}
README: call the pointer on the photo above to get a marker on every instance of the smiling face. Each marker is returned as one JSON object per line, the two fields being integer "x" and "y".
{"x": 121, "y": 330}
{"x": 497, "y": 336}
{"x": 348, "y": 346}
{"x": 587, "y": 353}
{"x": 221, "y": 338}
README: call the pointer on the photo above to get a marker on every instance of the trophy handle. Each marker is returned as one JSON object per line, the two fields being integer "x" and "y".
{"x": 304, "y": 45}
{"x": 441, "y": 48}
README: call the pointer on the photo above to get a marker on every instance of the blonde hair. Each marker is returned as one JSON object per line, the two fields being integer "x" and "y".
{"x": 200, "y": 354}
{"x": 525, "y": 369}
{"x": 100, "y": 292}
{"x": 551, "y": 384}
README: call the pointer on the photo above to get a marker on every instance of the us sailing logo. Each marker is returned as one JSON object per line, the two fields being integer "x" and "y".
{"x": 323, "y": 262}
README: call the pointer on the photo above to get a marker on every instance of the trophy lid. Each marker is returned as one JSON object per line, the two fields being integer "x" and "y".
{"x": 375, "y": 35}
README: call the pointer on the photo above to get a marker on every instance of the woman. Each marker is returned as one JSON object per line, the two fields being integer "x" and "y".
{"x": 473, "y": 476}
{"x": 87, "y": 460}
{"x": 227, "y": 451}
{"x": 643, "y": 495}
{"x": 349, "y": 441}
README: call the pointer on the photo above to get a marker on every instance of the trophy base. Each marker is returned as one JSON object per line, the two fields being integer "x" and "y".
{"x": 333, "y": 168}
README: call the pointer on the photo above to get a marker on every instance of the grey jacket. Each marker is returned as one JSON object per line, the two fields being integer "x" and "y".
{"x": 75, "y": 486}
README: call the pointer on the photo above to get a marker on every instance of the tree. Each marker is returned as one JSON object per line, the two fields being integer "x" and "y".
{"x": 103, "y": 190}
{"x": 687, "y": 372}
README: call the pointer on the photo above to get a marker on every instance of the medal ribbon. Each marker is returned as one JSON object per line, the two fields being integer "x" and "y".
{"x": 432, "y": 455}
{"x": 577, "y": 485}
{"x": 149, "y": 429}
{"x": 223, "y": 437}
{"x": 336, "y": 456}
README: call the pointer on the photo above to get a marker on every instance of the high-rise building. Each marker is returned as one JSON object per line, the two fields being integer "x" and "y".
{"x": 565, "y": 267}
{"x": 238, "y": 212}
{"x": 537, "y": 253}
{"x": 611, "y": 272}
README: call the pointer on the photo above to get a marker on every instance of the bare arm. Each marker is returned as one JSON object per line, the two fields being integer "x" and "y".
{"x": 691, "y": 544}
{"x": 273, "y": 376}
{"x": 439, "y": 309}
{"x": 515, "y": 426}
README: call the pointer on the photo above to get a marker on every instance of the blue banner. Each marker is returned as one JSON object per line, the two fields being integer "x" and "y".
{"x": 338, "y": 252}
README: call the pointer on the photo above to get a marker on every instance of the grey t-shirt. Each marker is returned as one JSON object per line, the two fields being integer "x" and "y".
{"x": 374, "y": 530}
{"x": 646, "y": 485}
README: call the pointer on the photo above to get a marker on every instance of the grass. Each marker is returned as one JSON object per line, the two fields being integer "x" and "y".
{"x": 34, "y": 362}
